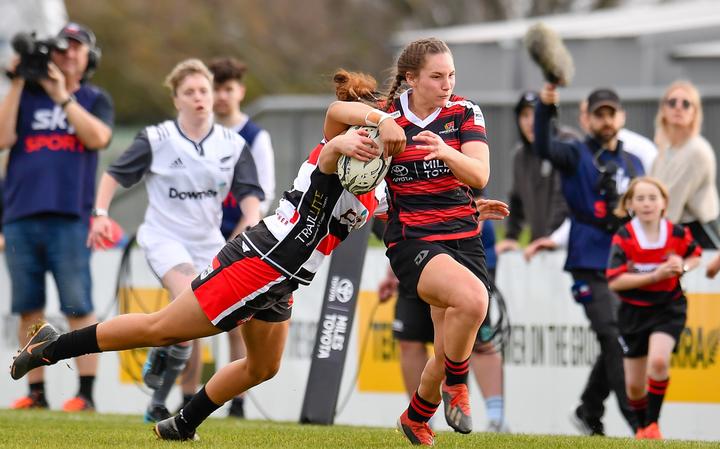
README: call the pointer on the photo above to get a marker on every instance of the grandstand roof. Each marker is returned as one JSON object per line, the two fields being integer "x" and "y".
{"x": 630, "y": 21}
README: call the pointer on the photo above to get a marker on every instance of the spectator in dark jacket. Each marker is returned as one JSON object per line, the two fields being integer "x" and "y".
{"x": 536, "y": 200}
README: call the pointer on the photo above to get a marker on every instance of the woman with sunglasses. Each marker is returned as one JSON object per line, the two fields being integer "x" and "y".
{"x": 686, "y": 163}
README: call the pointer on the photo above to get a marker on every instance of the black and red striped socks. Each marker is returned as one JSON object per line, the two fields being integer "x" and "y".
{"x": 421, "y": 410}
{"x": 456, "y": 372}
{"x": 656, "y": 395}
{"x": 640, "y": 406}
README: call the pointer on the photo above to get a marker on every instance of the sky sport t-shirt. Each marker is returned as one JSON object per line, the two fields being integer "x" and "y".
{"x": 49, "y": 169}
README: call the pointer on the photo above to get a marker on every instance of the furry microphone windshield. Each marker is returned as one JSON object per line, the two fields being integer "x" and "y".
{"x": 548, "y": 51}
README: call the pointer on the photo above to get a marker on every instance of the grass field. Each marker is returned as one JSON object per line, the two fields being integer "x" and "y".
{"x": 46, "y": 430}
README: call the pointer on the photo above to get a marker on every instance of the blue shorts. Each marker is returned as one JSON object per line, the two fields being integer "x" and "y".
{"x": 55, "y": 243}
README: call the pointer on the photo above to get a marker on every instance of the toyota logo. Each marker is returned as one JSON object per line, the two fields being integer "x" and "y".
{"x": 399, "y": 170}
{"x": 344, "y": 290}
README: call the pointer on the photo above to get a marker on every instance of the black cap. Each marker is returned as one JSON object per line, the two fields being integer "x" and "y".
{"x": 79, "y": 33}
{"x": 529, "y": 98}
{"x": 603, "y": 97}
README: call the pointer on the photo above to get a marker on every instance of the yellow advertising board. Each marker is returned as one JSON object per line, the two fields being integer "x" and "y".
{"x": 147, "y": 300}
{"x": 379, "y": 361}
{"x": 694, "y": 371}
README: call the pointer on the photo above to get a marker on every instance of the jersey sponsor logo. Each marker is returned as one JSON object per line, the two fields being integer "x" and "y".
{"x": 636, "y": 267}
{"x": 312, "y": 221}
{"x": 449, "y": 128}
{"x": 434, "y": 168}
{"x": 478, "y": 117}
{"x": 395, "y": 115}
{"x": 206, "y": 272}
{"x": 399, "y": 170}
{"x": 400, "y": 173}
{"x": 352, "y": 219}
{"x": 51, "y": 119}
{"x": 177, "y": 163}
{"x": 199, "y": 195}
{"x": 53, "y": 142}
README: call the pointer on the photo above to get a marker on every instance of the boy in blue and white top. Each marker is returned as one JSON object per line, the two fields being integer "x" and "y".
{"x": 229, "y": 92}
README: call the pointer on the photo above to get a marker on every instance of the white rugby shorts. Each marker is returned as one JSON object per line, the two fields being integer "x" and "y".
{"x": 163, "y": 250}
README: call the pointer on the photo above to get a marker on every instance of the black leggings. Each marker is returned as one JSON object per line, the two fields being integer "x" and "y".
{"x": 607, "y": 373}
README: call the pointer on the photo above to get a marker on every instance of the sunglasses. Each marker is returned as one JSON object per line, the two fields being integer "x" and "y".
{"x": 674, "y": 102}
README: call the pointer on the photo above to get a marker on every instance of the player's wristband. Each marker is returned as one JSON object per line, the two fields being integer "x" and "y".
{"x": 96, "y": 212}
{"x": 375, "y": 116}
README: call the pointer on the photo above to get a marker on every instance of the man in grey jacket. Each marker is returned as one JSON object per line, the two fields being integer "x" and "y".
{"x": 535, "y": 197}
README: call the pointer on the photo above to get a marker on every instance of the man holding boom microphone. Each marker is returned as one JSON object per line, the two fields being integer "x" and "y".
{"x": 594, "y": 172}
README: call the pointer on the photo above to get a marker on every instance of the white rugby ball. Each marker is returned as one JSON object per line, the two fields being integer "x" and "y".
{"x": 358, "y": 177}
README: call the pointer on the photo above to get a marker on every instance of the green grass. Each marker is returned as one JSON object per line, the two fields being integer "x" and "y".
{"x": 46, "y": 430}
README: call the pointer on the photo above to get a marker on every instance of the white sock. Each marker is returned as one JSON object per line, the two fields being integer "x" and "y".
{"x": 495, "y": 408}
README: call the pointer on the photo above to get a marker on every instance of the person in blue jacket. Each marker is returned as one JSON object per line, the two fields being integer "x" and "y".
{"x": 594, "y": 172}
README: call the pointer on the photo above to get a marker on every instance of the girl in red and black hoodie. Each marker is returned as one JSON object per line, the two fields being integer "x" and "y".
{"x": 648, "y": 257}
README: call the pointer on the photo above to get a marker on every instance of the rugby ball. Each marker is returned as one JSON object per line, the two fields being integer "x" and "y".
{"x": 358, "y": 177}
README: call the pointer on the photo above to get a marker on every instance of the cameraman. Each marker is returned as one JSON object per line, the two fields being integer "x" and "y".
{"x": 593, "y": 171}
{"x": 53, "y": 126}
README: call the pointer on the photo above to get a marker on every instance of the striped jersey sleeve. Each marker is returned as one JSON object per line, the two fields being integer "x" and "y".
{"x": 617, "y": 262}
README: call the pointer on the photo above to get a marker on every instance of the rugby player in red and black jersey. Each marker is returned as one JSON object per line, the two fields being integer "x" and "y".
{"x": 648, "y": 257}
{"x": 433, "y": 227}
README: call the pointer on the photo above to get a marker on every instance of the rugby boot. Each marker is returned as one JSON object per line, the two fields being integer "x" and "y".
{"x": 456, "y": 400}
{"x": 167, "y": 429}
{"x": 418, "y": 433}
{"x": 33, "y": 354}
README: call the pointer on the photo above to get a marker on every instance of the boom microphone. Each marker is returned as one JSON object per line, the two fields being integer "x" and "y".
{"x": 548, "y": 51}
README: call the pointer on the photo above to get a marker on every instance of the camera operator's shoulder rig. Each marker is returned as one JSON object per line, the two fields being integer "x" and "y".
{"x": 35, "y": 55}
{"x": 606, "y": 187}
